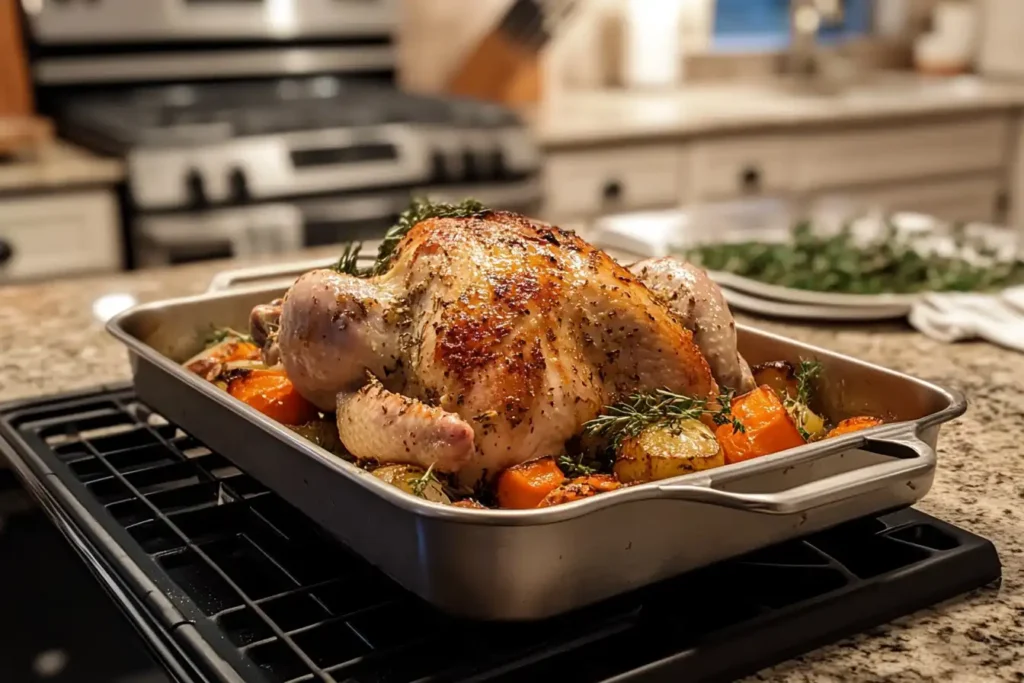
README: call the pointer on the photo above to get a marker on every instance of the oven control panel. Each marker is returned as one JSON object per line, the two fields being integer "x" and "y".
{"x": 78, "y": 22}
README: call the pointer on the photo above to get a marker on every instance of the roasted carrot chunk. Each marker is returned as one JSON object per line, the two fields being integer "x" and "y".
{"x": 579, "y": 488}
{"x": 853, "y": 424}
{"x": 274, "y": 395}
{"x": 767, "y": 427}
{"x": 524, "y": 486}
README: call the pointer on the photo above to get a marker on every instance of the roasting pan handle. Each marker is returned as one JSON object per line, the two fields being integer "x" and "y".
{"x": 912, "y": 458}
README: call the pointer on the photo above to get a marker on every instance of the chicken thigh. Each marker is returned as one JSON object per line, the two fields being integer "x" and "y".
{"x": 489, "y": 340}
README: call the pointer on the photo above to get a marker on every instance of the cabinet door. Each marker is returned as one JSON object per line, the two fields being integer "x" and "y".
{"x": 58, "y": 235}
{"x": 968, "y": 199}
{"x": 909, "y": 151}
{"x": 589, "y": 183}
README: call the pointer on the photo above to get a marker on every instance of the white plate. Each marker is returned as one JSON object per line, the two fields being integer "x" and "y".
{"x": 741, "y": 301}
{"x": 805, "y": 296}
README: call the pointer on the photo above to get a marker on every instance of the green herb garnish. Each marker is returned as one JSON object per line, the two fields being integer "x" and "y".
{"x": 806, "y": 375}
{"x": 890, "y": 263}
{"x": 349, "y": 261}
{"x": 576, "y": 466}
{"x": 419, "y": 484}
{"x": 661, "y": 407}
{"x": 798, "y": 406}
{"x": 420, "y": 210}
{"x": 223, "y": 334}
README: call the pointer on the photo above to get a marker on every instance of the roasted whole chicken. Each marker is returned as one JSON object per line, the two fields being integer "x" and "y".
{"x": 488, "y": 340}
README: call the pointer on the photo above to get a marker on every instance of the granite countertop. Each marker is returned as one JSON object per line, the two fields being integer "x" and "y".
{"x": 59, "y": 166}
{"x": 578, "y": 118}
{"x": 50, "y": 341}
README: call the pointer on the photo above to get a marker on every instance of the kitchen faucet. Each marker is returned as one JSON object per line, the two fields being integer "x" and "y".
{"x": 813, "y": 66}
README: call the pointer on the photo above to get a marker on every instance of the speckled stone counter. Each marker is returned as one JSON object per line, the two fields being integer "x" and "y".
{"x": 50, "y": 341}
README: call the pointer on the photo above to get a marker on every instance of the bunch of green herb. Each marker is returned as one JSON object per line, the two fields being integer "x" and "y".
{"x": 890, "y": 263}
{"x": 420, "y": 210}
{"x": 658, "y": 408}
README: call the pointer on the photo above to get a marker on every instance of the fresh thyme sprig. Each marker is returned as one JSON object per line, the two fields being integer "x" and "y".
{"x": 420, "y": 210}
{"x": 349, "y": 261}
{"x": 222, "y": 334}
{"x": 798, "y": 406}
{"x": 575, "y": 466}
{"x": 806, "y": 375}
{"x": 419, "y": 485}
{"x": 660, "y": 407}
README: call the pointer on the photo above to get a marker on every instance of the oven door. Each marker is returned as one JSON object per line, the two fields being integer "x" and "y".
{"x": 281, "y": 227}
{"x": 248, "y": 231}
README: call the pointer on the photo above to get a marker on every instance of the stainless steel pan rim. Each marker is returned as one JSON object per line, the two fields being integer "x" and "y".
{"x": 914, "y": 457}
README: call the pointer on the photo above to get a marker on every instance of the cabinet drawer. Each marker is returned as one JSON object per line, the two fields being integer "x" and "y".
{"x": 593, "y": 182}
{"x": 57, "y": 235}
{"x": 968, "y": 199}
{"x": 740, "y": 166}
{"x": 910, "y": 151}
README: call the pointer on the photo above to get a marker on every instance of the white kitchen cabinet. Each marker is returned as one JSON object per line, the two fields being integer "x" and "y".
{"x": 954, "y": 167}
{"x": 973, "y": 198}
{"x": 583, "y": 184}
{"x": 55, "y": 235}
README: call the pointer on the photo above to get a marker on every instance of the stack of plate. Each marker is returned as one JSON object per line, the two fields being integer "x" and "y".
{"x": 662, "y": 233}
{"x": 744, "y": 294}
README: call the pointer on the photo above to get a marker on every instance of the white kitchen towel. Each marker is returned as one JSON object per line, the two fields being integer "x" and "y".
{"x": 996, "y": 318}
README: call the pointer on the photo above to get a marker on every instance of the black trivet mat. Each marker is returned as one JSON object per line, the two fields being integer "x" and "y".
{"x": 227, "y": 581}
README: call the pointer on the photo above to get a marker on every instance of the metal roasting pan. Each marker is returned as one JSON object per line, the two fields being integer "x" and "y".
{"x": 530, "y": 564}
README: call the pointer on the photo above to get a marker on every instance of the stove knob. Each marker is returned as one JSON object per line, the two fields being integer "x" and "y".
{"x": 470, "y": 166}
{"x": 496, "y": 164}
{"x": 6, "y": 252}
{"x": 237, "y": 184}
{"x": 439, "y": 167}
{"x": 195, "y": 189}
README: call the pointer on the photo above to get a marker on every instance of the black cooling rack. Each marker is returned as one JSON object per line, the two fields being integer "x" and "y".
{"x": 227, "y": 581}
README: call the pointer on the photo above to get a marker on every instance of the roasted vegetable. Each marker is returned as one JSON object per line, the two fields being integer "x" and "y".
{"x": 324, "y": 433}
{"x": 794, "y": 387}
{"x": 779, "y": 375}
{"x": 273, "y": 394}
{"x": 767, "y": 427}
{"x": 580, "y": 488}
{"x": 853, "y": 424}
{"x": 524, "y": 486}
{"x": 209, "y": 363}
{"x": 660, "y": 452}
{"x": 660, "y": 408}
{"x": 413, "y": 480}
{"x": 810, "y": 425}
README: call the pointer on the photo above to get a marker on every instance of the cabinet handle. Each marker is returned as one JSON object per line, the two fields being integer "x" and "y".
{"x": 6, "y": 252}
{"x": 750, "y": 179}
{"x": 612, "y": 191}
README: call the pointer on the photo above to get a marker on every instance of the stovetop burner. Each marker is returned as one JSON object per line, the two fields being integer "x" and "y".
{"x": 229, "y": 581}
{"x": 169, "y": 115}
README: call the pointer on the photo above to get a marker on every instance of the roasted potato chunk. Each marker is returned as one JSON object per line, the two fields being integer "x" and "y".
{"x": 414, "y": 481}
{"x": 660, "y": 452}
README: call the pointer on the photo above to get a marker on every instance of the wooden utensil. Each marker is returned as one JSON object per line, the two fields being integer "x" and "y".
{"x": 20, "y": 130}
{"x": 505, "y": 65}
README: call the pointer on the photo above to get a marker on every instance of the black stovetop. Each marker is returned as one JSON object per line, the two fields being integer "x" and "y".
{"x": 226, "y": 579}
{"x": 211, "y": 112}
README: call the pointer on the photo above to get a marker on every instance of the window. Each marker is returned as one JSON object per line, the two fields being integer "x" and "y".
{"x": 750, "y": 25}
